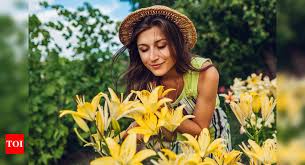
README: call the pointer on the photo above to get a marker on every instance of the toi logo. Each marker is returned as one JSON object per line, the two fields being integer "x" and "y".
{"x": 14, "y": 144}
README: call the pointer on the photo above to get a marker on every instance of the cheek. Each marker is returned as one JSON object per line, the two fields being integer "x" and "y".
{"x": 172, "y": 62}
{"x": 144, "y": 58}
{"x": 170, "y": 58}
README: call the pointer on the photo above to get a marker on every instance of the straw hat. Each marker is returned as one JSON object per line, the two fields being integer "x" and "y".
{"x": 185, "y": 25}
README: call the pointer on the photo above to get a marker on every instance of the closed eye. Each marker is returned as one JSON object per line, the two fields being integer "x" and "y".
{"x": 143, "y": 50}
{"x": 162, "y": 46}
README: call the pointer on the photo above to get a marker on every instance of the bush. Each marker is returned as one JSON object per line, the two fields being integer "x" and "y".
{"x": 54, "y": 78}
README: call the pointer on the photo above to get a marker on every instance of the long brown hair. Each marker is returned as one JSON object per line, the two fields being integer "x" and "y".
{"x": 137, "y": 75}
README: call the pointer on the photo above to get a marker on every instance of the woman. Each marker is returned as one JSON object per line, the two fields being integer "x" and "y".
{"x": 159, "y": 40}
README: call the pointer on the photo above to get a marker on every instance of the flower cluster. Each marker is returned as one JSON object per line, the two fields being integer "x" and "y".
{"x": 199, "y": 150}
{"x": 253, "y": 102}
{"x": 256, "y": 84}
{"x": 150, "y": 111}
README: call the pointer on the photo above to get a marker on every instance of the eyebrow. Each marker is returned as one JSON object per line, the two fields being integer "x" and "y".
{"x": 155, "y": 41}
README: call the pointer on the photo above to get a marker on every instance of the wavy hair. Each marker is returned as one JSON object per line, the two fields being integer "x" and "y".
{"x": 137, "y": 75}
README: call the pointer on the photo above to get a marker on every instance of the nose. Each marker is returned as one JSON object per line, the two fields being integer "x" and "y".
{"x": 154, "y": 54}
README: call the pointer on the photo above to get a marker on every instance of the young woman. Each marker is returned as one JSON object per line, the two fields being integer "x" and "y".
{"x": 159, "y": 40}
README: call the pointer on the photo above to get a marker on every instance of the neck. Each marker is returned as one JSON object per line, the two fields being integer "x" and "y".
{"x": 172, "y": 79}
{"x": 171, "y": 75}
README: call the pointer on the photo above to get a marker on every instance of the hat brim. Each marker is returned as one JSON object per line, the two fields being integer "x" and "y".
{"x": 185, "y": 25}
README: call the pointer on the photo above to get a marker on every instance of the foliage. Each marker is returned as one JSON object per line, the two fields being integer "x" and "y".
{"x": 53, "y": 77}
{"x": 290, "y": 36}
{"x": 290, "y": 23}
{"x": 233, "y": 33}
{"x": 13, "y": 83}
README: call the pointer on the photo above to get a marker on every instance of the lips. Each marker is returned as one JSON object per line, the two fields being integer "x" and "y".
{"x": 156, "y": 66}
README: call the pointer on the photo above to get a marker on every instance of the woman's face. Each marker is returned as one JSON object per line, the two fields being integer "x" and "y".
{"x": 155, "y": 52}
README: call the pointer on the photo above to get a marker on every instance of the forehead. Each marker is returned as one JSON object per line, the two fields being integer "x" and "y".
{"x": 150, "y": 36}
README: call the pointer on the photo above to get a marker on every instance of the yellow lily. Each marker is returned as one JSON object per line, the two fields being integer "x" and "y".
{"x": 171, "y": 119}
{"x": 243, "y": 109}
{"x": 232, "y": 157}
{"x": 119, "y": 108}
{"x": 256, "y": 103}
{"x": 181, "y": 159}
{"x": 124, "y": 154}
{"x": 254, "y": 79}
{"x": 148, "y": 126}
{"x": 102, "y": 119}
{"x": 151, "y": 101}
{"x": 267, "y": 107}
{"x": 224, "y": 158}
{"x": 261, "y": 155}
{"x": 203, "y": 145}
{"x": 208, "y": 161}
{"x": 85, "y": 110}
{"x": 172, "y": 157}
{"x": 245, "y": 103}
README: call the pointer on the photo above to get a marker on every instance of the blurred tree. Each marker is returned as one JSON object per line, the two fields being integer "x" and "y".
{"x": 13, "y": 84}
{"x": 291, "y": 37}
{"x": 136, "y": 4}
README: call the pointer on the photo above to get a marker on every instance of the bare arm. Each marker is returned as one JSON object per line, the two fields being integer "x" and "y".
{"x": 205, "y": 104}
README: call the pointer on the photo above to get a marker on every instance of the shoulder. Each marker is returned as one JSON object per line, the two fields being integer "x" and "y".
{"x": 201, "y": 63}
{"x": 210, "y": 74}
{"x": 208, "y": 79}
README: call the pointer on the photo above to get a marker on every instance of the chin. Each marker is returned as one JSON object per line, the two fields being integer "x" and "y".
{"x": 158, "y": 73}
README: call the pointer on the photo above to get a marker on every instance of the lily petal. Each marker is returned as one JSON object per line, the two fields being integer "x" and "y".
{"x": 65, "y": 112}
{"x": 169, "y": 153}
{"x": 167, "y": 91}
{"x": 192, "y": 141}
{"x": 80, "y": 122}
{"x": 104, "y": 160}
{"x": 128, "y": 147}
{"x": 96, "y": 100}
{"x": 113, "y": 96}
{"x": 140, "y": 156}
{"x": 114, "y": 148}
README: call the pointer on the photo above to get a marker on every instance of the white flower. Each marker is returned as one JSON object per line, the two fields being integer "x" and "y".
{"x": 253, "y": 119}
{"x": 259, "y": 123}
{"x": 238, "y": 86}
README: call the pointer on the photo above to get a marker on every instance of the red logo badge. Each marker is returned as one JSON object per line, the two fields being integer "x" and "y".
{"x": 14, "y": 144}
